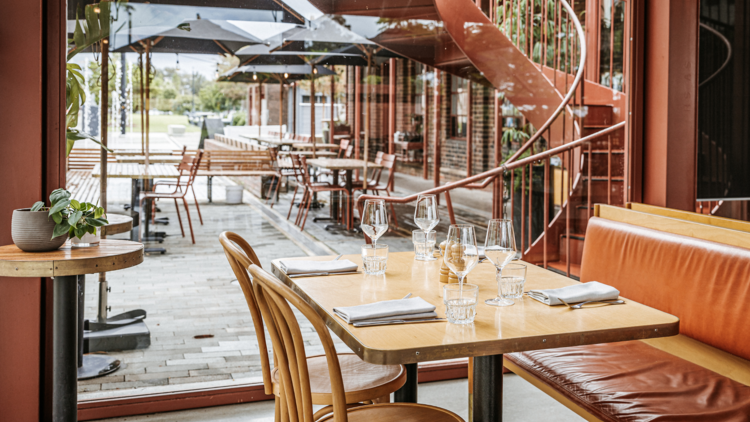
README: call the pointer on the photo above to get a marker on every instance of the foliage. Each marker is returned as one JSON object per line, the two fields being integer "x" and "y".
{"x": 70, "y": 216}
{"x": 239, "y": 120}
{"x": 221, "y": 97}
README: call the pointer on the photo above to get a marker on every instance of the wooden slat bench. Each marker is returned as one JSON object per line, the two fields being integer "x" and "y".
{"x": 82, "y": 186}
{"x": 237, "y": 164}
{"x": 696, "y": 268}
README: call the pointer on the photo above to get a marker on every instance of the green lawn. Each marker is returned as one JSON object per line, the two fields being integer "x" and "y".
{"x": 159, "y": 123}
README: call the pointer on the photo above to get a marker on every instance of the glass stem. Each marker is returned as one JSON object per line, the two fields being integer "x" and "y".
{"x": 461, "y": 287}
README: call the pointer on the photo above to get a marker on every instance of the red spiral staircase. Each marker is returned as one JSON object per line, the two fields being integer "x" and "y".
{"x": 550, "y": 90}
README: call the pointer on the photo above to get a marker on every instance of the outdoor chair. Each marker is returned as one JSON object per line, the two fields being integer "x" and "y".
{"x": 300, "y": 374}
{"x": 311, "y": 189}
{"x": 362, "y": 383}
{"x": 295, "y": 169}
{"x": 180, "y": 184}
{"x": 342, "y": 147}
{"x": 188, "y": 168}
{"x": 349, "y": 151}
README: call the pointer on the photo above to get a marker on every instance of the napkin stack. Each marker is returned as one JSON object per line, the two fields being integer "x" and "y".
{"x": 388, "y": 310}
{"x": 575, "y": 294}
{"x": 293, "y": 267}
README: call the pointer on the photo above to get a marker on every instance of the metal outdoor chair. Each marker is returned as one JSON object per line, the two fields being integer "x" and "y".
{"x": 300, "y": 374}
{"x": 311, "y": 189}
{"x": 389, "y": 162}
{"x": 180, "y": 184}
{"x": 363, "y": 382}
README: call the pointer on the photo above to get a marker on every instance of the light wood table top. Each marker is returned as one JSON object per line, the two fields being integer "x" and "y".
{"x": 138, "y": 151}
{"x": 271, "y": 140}
{"x": 341, "y": 163}
{"x": 310, "y": 153}
{"x": 308, "y": 145}
{"x": 152, "y": 159}
{"x": 118, "y": 223}
{"x": 138, "y": 171}
{"x": 526, "y": 325}
{"x": 110, "y": 255}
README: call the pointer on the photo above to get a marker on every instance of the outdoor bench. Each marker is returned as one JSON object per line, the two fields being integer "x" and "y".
{"x": 236, "y": 163}
{"x": 697, "y": 271}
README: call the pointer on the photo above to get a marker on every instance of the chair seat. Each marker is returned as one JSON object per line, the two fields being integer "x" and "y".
{"x": 398, "y": 412}
{"x": 362, "y": 380}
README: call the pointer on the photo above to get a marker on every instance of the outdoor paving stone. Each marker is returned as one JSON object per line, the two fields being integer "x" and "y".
{"x": 171, "y": 368}
{"x": 202, "y": 354}
{"x": 200, "y": 379}
{"x": 156, "y": 375}
{"x": 218, "y": 371}
{"x": 175, "y": 362}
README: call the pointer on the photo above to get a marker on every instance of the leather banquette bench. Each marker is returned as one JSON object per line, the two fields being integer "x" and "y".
{"x": 697, "y": 271}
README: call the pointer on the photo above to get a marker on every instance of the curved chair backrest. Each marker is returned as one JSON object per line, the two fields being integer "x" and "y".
{"x": 343, "y": 145}
{"x": 195, "y": 167}
{"x": 299, "y": 173}
{"x": 274, "y": 298}
{"x": 303, "y": 169}
{"x": 240, "y": 256}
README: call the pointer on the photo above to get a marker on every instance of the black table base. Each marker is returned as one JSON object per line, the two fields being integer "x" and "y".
{"x": 64, "y": 349}
{"x": 487, "y": 402}
{"x": 408, "y": 392}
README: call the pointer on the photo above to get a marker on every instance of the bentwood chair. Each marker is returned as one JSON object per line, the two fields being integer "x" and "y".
{"x": 298, "y": 374}
{"x": 363, "y": 382}
{"x": 188, "y": 169}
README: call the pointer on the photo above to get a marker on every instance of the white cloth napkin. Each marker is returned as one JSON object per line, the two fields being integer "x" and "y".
{"x": 401, "y": 308}
{"x": 585, "y": 292}
{"x": 307, "y": 267}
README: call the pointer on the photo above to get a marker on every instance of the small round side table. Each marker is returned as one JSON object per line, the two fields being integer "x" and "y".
{"x": 65, "y": 265}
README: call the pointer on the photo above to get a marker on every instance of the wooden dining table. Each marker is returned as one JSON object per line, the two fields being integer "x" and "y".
{"x": 347, "y": 165}
{"x": 526, "y": 325}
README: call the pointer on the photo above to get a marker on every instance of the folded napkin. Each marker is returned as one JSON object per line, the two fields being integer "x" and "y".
{"x": 585, "y": 292}
{"x": 306, "y": 267}
{"x": 401, "y": 308}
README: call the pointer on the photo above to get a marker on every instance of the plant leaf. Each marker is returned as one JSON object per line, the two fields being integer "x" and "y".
{"x": 59, "y": 206}
{"x": 37, "y": 206}
{"x": 61, "y": 229}
{"x": 96, "y": 222}
{"x": 57, "y": 217}
{"x": 73, "y": 219}
{"x": 57, "y": 195}
{"x": 99, "y": 212}
{"x": 77, "y": 205}
{"x": 80, "y": 231}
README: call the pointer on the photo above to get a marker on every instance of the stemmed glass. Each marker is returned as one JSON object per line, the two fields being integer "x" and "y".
{"x": 500, "y": 249}
{"x": 461, "y": 254}
{"x": 426, "y": 212}
{"x": 374, "y": 219}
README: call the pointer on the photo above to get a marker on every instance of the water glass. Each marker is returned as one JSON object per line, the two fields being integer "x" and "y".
{"x": 424, "y": 245}
{"x": 500, "y": 249}
{"x": 374, "y": 258}
{"x": 374, "y": 219}
{"x": 426, "y": 212}
{"x": 510, "y": 282}
{"x": 461, "y": 254}
{"x": 460, "y": 302}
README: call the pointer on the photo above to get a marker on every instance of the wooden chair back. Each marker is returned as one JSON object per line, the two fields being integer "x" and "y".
{"x": 274, "y": 299}
{"x": 377, "y": 172}
{"x": 303, "y": 169}
{"x": 297, "y": 165}
{"x": 196, "y": 164}
{"x": 349, "y": 151}
{"x": 237, "y": 160}
{"x": 240, "y": 256}
{"x": 343, "y": 145}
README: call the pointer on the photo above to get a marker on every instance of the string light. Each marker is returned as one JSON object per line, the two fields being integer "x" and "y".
{"x": 178, "y": 61}
{"x": 217, "y": 71}
{"x": 315, "y": 70}
{"x": 286, "y": 75}
{"x": 97, "y": 10}
{"x": 255, "y": 76}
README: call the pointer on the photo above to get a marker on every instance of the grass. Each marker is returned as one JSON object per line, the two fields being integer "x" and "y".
{"x": 159, "y": 123}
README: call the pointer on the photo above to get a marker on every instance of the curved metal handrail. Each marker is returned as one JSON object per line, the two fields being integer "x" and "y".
{"x": 490, "y": 175}
{"x": 729, "y": 52}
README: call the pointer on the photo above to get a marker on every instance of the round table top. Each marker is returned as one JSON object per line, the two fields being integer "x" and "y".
{"x": 118, "y": 223}
{"x": 110, "y": 255}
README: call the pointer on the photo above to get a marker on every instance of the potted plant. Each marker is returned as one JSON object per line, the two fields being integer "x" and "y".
{"x": 41, "y": 228}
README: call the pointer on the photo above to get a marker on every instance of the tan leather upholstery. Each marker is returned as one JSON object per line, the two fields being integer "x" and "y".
{"x": 632, "y": 381}
{"x": 705, "y": 284}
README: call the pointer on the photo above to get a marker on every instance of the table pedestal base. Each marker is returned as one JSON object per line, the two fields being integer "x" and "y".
{"x": 63, "y": 353}
{"x": 97, "y": 366}
{"x": 408, "y": 392}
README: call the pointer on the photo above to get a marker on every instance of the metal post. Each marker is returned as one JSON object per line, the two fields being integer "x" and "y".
{"x": 294, "y": 109}
{"x": 487, "y": 390}
{"x": 469, "y": 145}
{"x": 357, "y": 109}
{"x": 104, "y": 109}
{"x": 436, "y": 146}
{"x": 312, "y": 111}
{"x": 65, "y": 349}
{"x": 425, "y": 151}
{"x": 391, "y": 104}
{"x": 408, "y": 392}
{"x": 333, "y": 104}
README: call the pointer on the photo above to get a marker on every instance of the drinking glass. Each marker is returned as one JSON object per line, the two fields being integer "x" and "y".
{"x": 461, "y": 253}
{"x": 460, "y": 302}
{"x": 426, "y": 212}
{"x": 510, "y": 282}
{"x": 374, "y": 219}
{"x": 374, "y": 259}
{"x": 500, "y": 249}
{"x": 424, "y": 245}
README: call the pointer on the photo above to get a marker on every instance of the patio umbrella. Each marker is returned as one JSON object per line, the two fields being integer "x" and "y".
{"x": 273, "y": 74}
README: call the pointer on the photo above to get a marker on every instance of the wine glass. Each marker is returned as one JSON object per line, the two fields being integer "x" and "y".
{"x": 374, "y": 219}
{"x": 426, "y": 212}
{"x": 461, "y": 254}
{"x": 500, "y": 249}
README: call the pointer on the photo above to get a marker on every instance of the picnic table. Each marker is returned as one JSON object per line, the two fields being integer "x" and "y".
{"x": 337, "y": 165}
{"x": 152, "y": 159}
{"x": 527, "y": 325}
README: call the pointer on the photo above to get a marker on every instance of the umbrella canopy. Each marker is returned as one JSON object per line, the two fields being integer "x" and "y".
{"x": 272, "y": 73}
{"x": 197, "y": 36}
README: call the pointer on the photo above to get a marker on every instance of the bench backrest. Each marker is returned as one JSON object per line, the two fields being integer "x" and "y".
{"x": 236, "y": 160}
{"x": 696, "y": 272}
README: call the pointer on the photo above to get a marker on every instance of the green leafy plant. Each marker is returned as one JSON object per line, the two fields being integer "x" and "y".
{"x": 70, "y": 216}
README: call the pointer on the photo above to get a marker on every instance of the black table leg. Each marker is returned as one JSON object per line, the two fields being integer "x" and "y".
{"x": 147, "y": 235}
{"x": 487, "y": 403}
{"x": 408, "y": 392}
{"x": 65, "y": 347}
{"x": 135, "y": 194}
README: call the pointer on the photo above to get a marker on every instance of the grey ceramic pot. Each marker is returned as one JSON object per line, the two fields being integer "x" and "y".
{"x": 32, "y": 231}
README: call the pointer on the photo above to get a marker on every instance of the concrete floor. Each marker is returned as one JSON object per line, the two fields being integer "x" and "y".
{"x": 522, "y": 403}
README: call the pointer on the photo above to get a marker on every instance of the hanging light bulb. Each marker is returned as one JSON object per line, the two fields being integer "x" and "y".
{"x": 178, "y": 61}
{"x": 255, "y": 76}
{"x": 217, "y": 70}
{"x": 286, "y": 75}
{"x": 315, "y": 70}
{"x": 96, "y": 9}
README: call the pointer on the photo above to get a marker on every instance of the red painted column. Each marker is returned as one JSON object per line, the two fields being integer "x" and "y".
{"x": 437, "y": 107}
{"x": 670, "y": 95}
{"x": 391, "y": 104}
{"x": 469, "y": 143}
{"x": 357, "y": 109}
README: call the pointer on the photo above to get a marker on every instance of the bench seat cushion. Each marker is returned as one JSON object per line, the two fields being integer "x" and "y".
{"x": 632, "y": 381}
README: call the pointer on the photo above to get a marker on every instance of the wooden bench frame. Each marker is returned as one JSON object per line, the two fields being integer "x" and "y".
{"x": 699, "y": 226}
{"x": 238, "y": 163}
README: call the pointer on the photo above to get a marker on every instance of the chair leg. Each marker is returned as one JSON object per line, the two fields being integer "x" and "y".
{"x": 196, "y": 204}
{"x": 153, "y": 211}
{"x": 177, "y": 208}
{"x": 276, "y": 409}
{"x": 190, "y": 222}
{"x": 294, "y": 195}
{"x": 276, "y": 193}
{"x": 307, "y": 210}
{"x": 300, "y": 210}
{"x": 140, "y": 207}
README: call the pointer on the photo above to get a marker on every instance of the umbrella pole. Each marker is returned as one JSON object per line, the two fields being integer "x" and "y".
{"x": 294, "y": 109}
{"x": 367, "y": 120}
{"x": 281, "y": 106}
{"x": 103, "y": 101}
{"x": 148, "y": 101}
{"x": 312, "y": 111}
{"x": 143, "y": 103}
{"x": 333, "y": 103}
